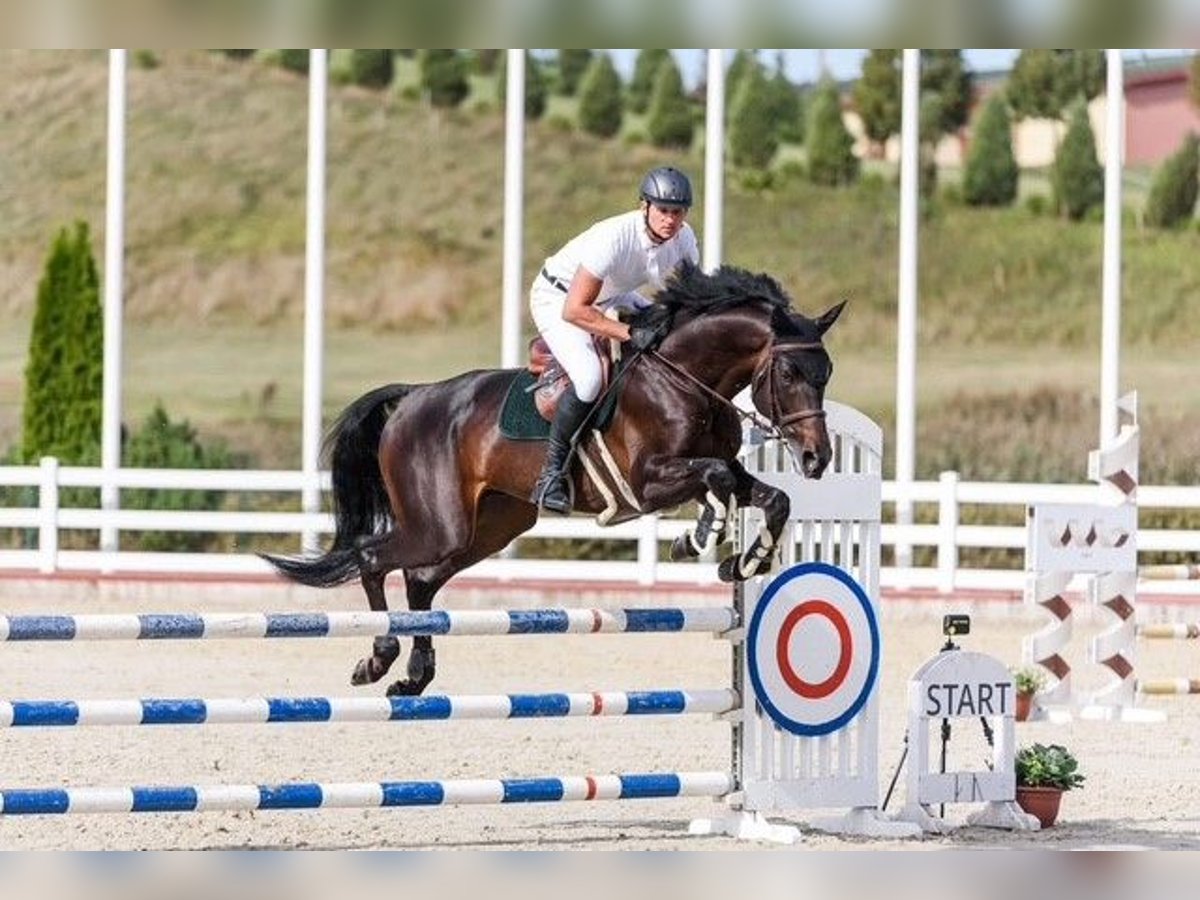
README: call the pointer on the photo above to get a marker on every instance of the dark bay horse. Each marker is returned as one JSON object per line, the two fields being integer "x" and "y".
{"x": 424, "y": 481}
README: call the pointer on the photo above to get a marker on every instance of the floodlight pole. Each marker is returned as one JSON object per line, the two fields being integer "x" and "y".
{"x": 1110, "y": 331}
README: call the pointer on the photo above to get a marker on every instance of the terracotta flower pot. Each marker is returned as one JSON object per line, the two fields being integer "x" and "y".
{"x": 1042, "y": 802}
{"x": 1023, "y": 707}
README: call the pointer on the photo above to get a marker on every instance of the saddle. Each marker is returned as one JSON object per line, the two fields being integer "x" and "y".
{"x": 552, "y": 378}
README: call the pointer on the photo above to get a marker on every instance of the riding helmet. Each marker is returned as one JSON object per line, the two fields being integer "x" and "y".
{"x": 667, "y": 187}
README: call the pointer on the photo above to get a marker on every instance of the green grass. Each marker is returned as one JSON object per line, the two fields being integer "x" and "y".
{"x": 215, "y": 249}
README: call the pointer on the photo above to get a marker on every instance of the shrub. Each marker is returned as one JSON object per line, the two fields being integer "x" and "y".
{"x": 600, "y": 98}
{"x": 238, "y": 54}
{"x": 1029, "y": 679}
{"x": 163, "y": 444}
{"x": 372, "y": 68}
{"x": 1172, "y": 196}
{"x": 145, "y": 59}
{"x": 444, "y": 77}
{"x": 990, "y": 177}
{"x": 1077, "y": 177}
{"x": 294, "y": 61}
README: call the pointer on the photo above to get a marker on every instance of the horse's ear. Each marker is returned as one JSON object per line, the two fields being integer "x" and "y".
{"x": 826, "y": 319}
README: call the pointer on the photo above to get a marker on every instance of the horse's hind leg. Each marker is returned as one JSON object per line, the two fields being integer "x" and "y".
{"x": 374, "y": 570}
{"x": 422, "y": 665}
{"x": 498, "y": 519}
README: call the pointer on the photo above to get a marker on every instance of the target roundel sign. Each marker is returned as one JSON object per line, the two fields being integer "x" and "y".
{"x": 812, "y": 649}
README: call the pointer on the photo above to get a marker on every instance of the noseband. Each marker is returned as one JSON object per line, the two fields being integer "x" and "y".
{"x": 766, "y": 370}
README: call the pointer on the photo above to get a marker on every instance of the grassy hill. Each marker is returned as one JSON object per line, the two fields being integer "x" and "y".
{"x": 215, "y": 248}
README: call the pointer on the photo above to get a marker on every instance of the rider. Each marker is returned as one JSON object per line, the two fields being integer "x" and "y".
{"x": 597, "y": 270}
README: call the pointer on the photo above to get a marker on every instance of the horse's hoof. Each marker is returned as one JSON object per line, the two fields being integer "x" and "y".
{"x": 682, "y": 549}
{"x": 727, "y": 571}
{"x": 406, "y": 688}
{"x": 362, "y": 673}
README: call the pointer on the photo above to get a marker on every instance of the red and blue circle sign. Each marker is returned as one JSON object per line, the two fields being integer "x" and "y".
{"x": 813, "y": 649}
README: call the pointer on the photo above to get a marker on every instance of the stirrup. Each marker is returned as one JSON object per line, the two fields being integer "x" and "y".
{"x": 560, "y": 486}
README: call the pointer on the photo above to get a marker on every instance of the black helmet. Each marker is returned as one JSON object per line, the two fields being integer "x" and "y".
{"x": 666, "y": 186}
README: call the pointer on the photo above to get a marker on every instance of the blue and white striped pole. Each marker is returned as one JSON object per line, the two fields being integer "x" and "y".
{"x": 363, "y": 795}
{"x": 279, "y": 710}
{"x": 200, "y": 626}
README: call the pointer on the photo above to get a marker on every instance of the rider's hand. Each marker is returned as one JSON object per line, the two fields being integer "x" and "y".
{"x": 642, "y": 337}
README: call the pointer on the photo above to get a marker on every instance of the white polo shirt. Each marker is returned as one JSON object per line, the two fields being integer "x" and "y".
{"x": 620, "y": 253}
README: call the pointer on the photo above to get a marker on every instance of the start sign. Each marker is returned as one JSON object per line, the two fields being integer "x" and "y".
{"x": 812, "y": 650}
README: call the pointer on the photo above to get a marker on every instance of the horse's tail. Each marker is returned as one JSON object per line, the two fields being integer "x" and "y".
{"x": 360, "y": 501}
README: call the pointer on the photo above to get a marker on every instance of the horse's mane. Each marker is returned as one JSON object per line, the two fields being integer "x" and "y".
{"x": 691, "y": 292}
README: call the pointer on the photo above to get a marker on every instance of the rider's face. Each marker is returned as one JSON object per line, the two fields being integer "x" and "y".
{"x": 664, "y": 221}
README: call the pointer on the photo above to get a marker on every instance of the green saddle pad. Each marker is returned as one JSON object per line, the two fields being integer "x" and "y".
{"x": 519, "y": 418}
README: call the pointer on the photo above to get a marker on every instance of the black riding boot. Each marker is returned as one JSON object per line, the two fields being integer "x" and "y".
{"x": 553, "y": 488}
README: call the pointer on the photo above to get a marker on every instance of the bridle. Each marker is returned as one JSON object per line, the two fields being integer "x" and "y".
{"x": 764, "y": 370}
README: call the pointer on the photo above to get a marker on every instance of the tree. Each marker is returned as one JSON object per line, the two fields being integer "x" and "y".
{"x": 1044, "y": 83}
{"x": 600, "y": 98}
{"x": 669, "y": 119}
{"x": 645, "y": 70}
{"x": 877, "y": 95}
{"x": 753, "y": 138}
{"x": 444, "y": 77}
{"x": 831, "y": 159}
{"x": 64, "y": 376}
{"x": 990, "y": 176}
{"x": 944, "y": 75}
{"x": 485, "y": 62}
{"x": 1172, "y": 198}
{"x": 294, "y": 61}
{"x": 535, "y": 87}
{"x": 1077, "y": 177}
{"x": 572, "y": 64}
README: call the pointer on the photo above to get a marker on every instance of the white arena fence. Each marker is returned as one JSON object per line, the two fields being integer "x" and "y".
{"x": 46, "y": 517}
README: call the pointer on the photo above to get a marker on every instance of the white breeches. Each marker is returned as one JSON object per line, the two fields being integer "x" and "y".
{"x": 570, "y": 344}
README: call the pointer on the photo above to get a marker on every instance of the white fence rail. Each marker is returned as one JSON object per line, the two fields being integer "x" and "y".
{"x": 45, "y": 518}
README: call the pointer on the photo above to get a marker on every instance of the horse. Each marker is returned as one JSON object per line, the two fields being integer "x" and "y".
{"x": 425, "y": 482}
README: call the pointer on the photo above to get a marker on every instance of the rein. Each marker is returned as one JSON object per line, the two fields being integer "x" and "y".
{"x": 766, "y": 369}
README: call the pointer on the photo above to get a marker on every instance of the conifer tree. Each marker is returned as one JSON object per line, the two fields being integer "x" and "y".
{"x": 669, "y": 120}
{"x": 1077, "y": 178}
{"x": 645, "y": 70}
{"x": 786, "y": 107}
{"x": 753, "y": 139}
{"x": 877, "y": 95}
{"x": 1172, "y": 198}
{"x": 744, "y": 62}
{"x": 600, "y": 98}
{"x": 990, "y": 176}
{"x": 831, "y": 159}
{"x": 535, "y": 87}
{"x": 572, "y": 64}
{"x": 65, "y": 370}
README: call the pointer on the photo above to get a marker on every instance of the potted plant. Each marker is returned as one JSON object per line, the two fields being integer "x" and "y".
{"x": 1027, "y": 681}
{"x": 1044, "y": 771}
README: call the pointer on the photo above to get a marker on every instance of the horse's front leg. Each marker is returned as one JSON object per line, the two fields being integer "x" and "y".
{"x": 758, "y": 558}
{"x": 670, "y": 481}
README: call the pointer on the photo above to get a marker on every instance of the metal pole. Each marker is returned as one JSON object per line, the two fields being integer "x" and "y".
{"x": 1110, "y": 334}
{"x": 314, "y": 287}
{"x": 906, "y": 325}
{"x": 514, "y": 163}
{"x": 114, "y": 261}
{"x": 714, "y": 161}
